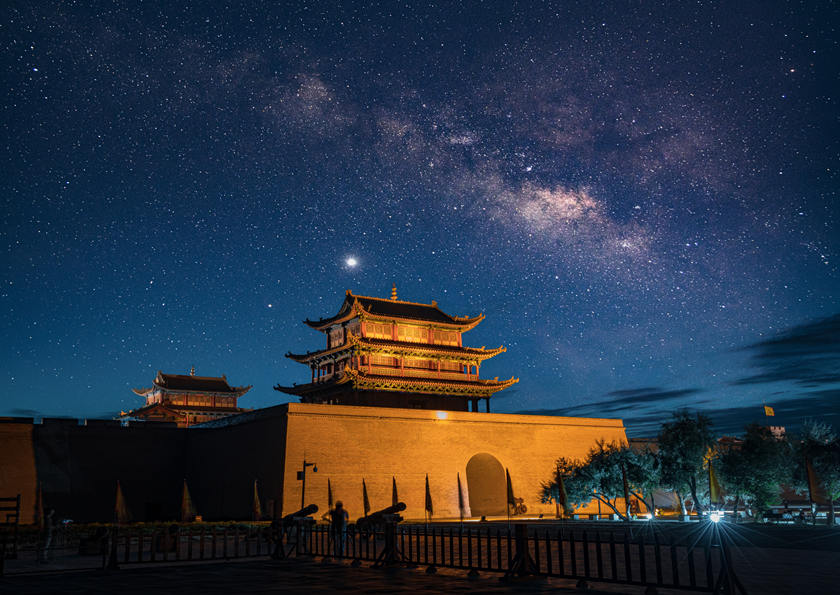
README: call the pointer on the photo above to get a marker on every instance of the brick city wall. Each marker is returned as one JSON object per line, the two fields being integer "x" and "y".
{"x": 352, "y": 443}
{"x": 78, "y": 465}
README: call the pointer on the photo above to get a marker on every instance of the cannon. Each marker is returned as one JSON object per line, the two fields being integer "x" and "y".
{"x": 293, "y": 530}
{"x": 303, "y": 514}
{"x": 384, "y": 520}
{"x": 381, "y": 517}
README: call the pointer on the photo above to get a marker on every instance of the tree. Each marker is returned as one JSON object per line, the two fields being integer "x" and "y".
{"x": 602, "y": 477}
{"x": 820, "y": 447}
{"x": 683, "y": 442}
{"x": 556, "y": 490}
{"x": 756, "y": 468}
{"x": 644, "y": 475}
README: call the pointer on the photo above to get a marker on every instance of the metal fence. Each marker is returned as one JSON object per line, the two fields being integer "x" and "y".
{"x": 581, "y": 556}
{"x": 587, "y": 556}
{"x": 9, "y": 529}
{"x": 183, "y": 544}
{"x": 109, "y": 546}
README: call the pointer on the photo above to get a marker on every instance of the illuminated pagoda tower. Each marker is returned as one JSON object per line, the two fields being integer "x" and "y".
{"x": 392, "y": 353}
{"x": 187, "y": 399}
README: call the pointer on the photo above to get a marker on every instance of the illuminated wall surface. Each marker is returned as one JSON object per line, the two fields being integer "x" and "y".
{"x": 349, "y": 443}
{"x": 79, "y": 465}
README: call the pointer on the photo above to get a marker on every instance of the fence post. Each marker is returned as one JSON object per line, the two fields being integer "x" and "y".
{"x": 473, "y": 573}
{"x": 727, "y": 582}
{"x": 391, "y": 553}
{"x": 522, "y": 563}
{"x": 276, "y": 539}
{"x": 355, "y": 540}
{"x": 433, "y": 567}
{"x": 113, "y": 563}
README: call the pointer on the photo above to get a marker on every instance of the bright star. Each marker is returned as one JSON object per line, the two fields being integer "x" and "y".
{"x": 351, "y": 261}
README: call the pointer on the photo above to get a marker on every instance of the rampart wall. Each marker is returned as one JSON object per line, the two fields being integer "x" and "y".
{"x": 78, "y": 465}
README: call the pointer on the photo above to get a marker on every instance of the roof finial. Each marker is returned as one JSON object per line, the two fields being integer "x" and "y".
{"x": 394, "y": 292}
{"x": 192, "y": 371}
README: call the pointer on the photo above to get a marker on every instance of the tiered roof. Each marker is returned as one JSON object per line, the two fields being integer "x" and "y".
{"x": 400, "y": 349}
{"x": 361, "y": 380}
{"x": 174, "y": 386}
{"x": 183, "y": 383}
{"x": 396, "y": 311}
{"x": 366, "y": 307}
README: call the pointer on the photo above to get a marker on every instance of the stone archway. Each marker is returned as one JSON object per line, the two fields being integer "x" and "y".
{"x": 486, "y": 485}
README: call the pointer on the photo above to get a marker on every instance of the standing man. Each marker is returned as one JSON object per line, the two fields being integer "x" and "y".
{"x": 338, "y": 527}
{"x": 49, "y": 526}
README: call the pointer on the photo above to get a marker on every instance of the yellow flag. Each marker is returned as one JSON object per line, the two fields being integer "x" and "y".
{"x": 714, "y": 485}
{"x": 768, "y": 411}
{"x": 121, "y": 512}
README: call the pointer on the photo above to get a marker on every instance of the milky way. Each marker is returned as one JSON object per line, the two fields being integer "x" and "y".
{"x": 639, "y": 197}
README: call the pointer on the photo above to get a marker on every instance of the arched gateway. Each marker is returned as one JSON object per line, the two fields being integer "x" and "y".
{"x": 486, "y": 485}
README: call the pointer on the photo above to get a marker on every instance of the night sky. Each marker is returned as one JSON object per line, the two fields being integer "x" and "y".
{"x": 640, "y": 197}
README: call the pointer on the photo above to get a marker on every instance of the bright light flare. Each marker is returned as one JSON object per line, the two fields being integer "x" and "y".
{"x": 351, "y": 261}
{"x": 441, "y": 414}
{"x": 716, "y": 516}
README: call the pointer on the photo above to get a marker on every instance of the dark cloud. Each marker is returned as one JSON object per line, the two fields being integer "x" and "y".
{"x": 807, "y": 355}
{"x": 824, "y": 405}
{"x": 649, "y": 395}
{"x": 629, "y": 400}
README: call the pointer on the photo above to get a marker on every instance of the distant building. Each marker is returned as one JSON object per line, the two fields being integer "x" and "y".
{"x": 187, "y": 399}
{"x": 392, "y": 353}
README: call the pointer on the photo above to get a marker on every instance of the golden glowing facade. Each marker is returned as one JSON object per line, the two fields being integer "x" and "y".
{"x": 187, "y": 399}
{"x": 393, "y": 353}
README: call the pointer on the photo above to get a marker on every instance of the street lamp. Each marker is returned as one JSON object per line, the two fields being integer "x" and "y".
{"x": 301, "y": 475}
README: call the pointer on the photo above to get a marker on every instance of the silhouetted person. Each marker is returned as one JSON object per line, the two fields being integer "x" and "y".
{"x": 49, "y": 526}
{"x": 338, "y": 527}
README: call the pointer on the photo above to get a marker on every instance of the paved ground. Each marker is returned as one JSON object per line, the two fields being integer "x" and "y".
{"x": 792, "y": 572}
{"x": 266, "y": 576}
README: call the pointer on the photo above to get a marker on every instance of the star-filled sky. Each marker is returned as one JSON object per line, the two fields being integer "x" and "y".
{"x": 641, "y": 197}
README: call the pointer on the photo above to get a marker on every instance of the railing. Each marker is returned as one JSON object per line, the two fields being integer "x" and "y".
{"x": 596, "y": 558}
{"x": 588, "y": 556}
{"x": 417, "y": 373}
{"x": 183, "y": 544}
{"x": 9, "y": 525}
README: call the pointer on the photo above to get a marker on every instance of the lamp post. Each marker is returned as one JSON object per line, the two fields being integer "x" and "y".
{"x": 301, "y": 475}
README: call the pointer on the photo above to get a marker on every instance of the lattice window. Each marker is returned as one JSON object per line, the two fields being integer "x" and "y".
{"x": 450, "y": 366}
{"x": 413, "y": 334}
{"x": 379, "y": 330}
{"x": 382, "y": 360}
{"x": 446, "y": 337}
{"x": 423, "y": 364}
{"x": 199, "y": 400}
{"x": 336, "y": 337}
